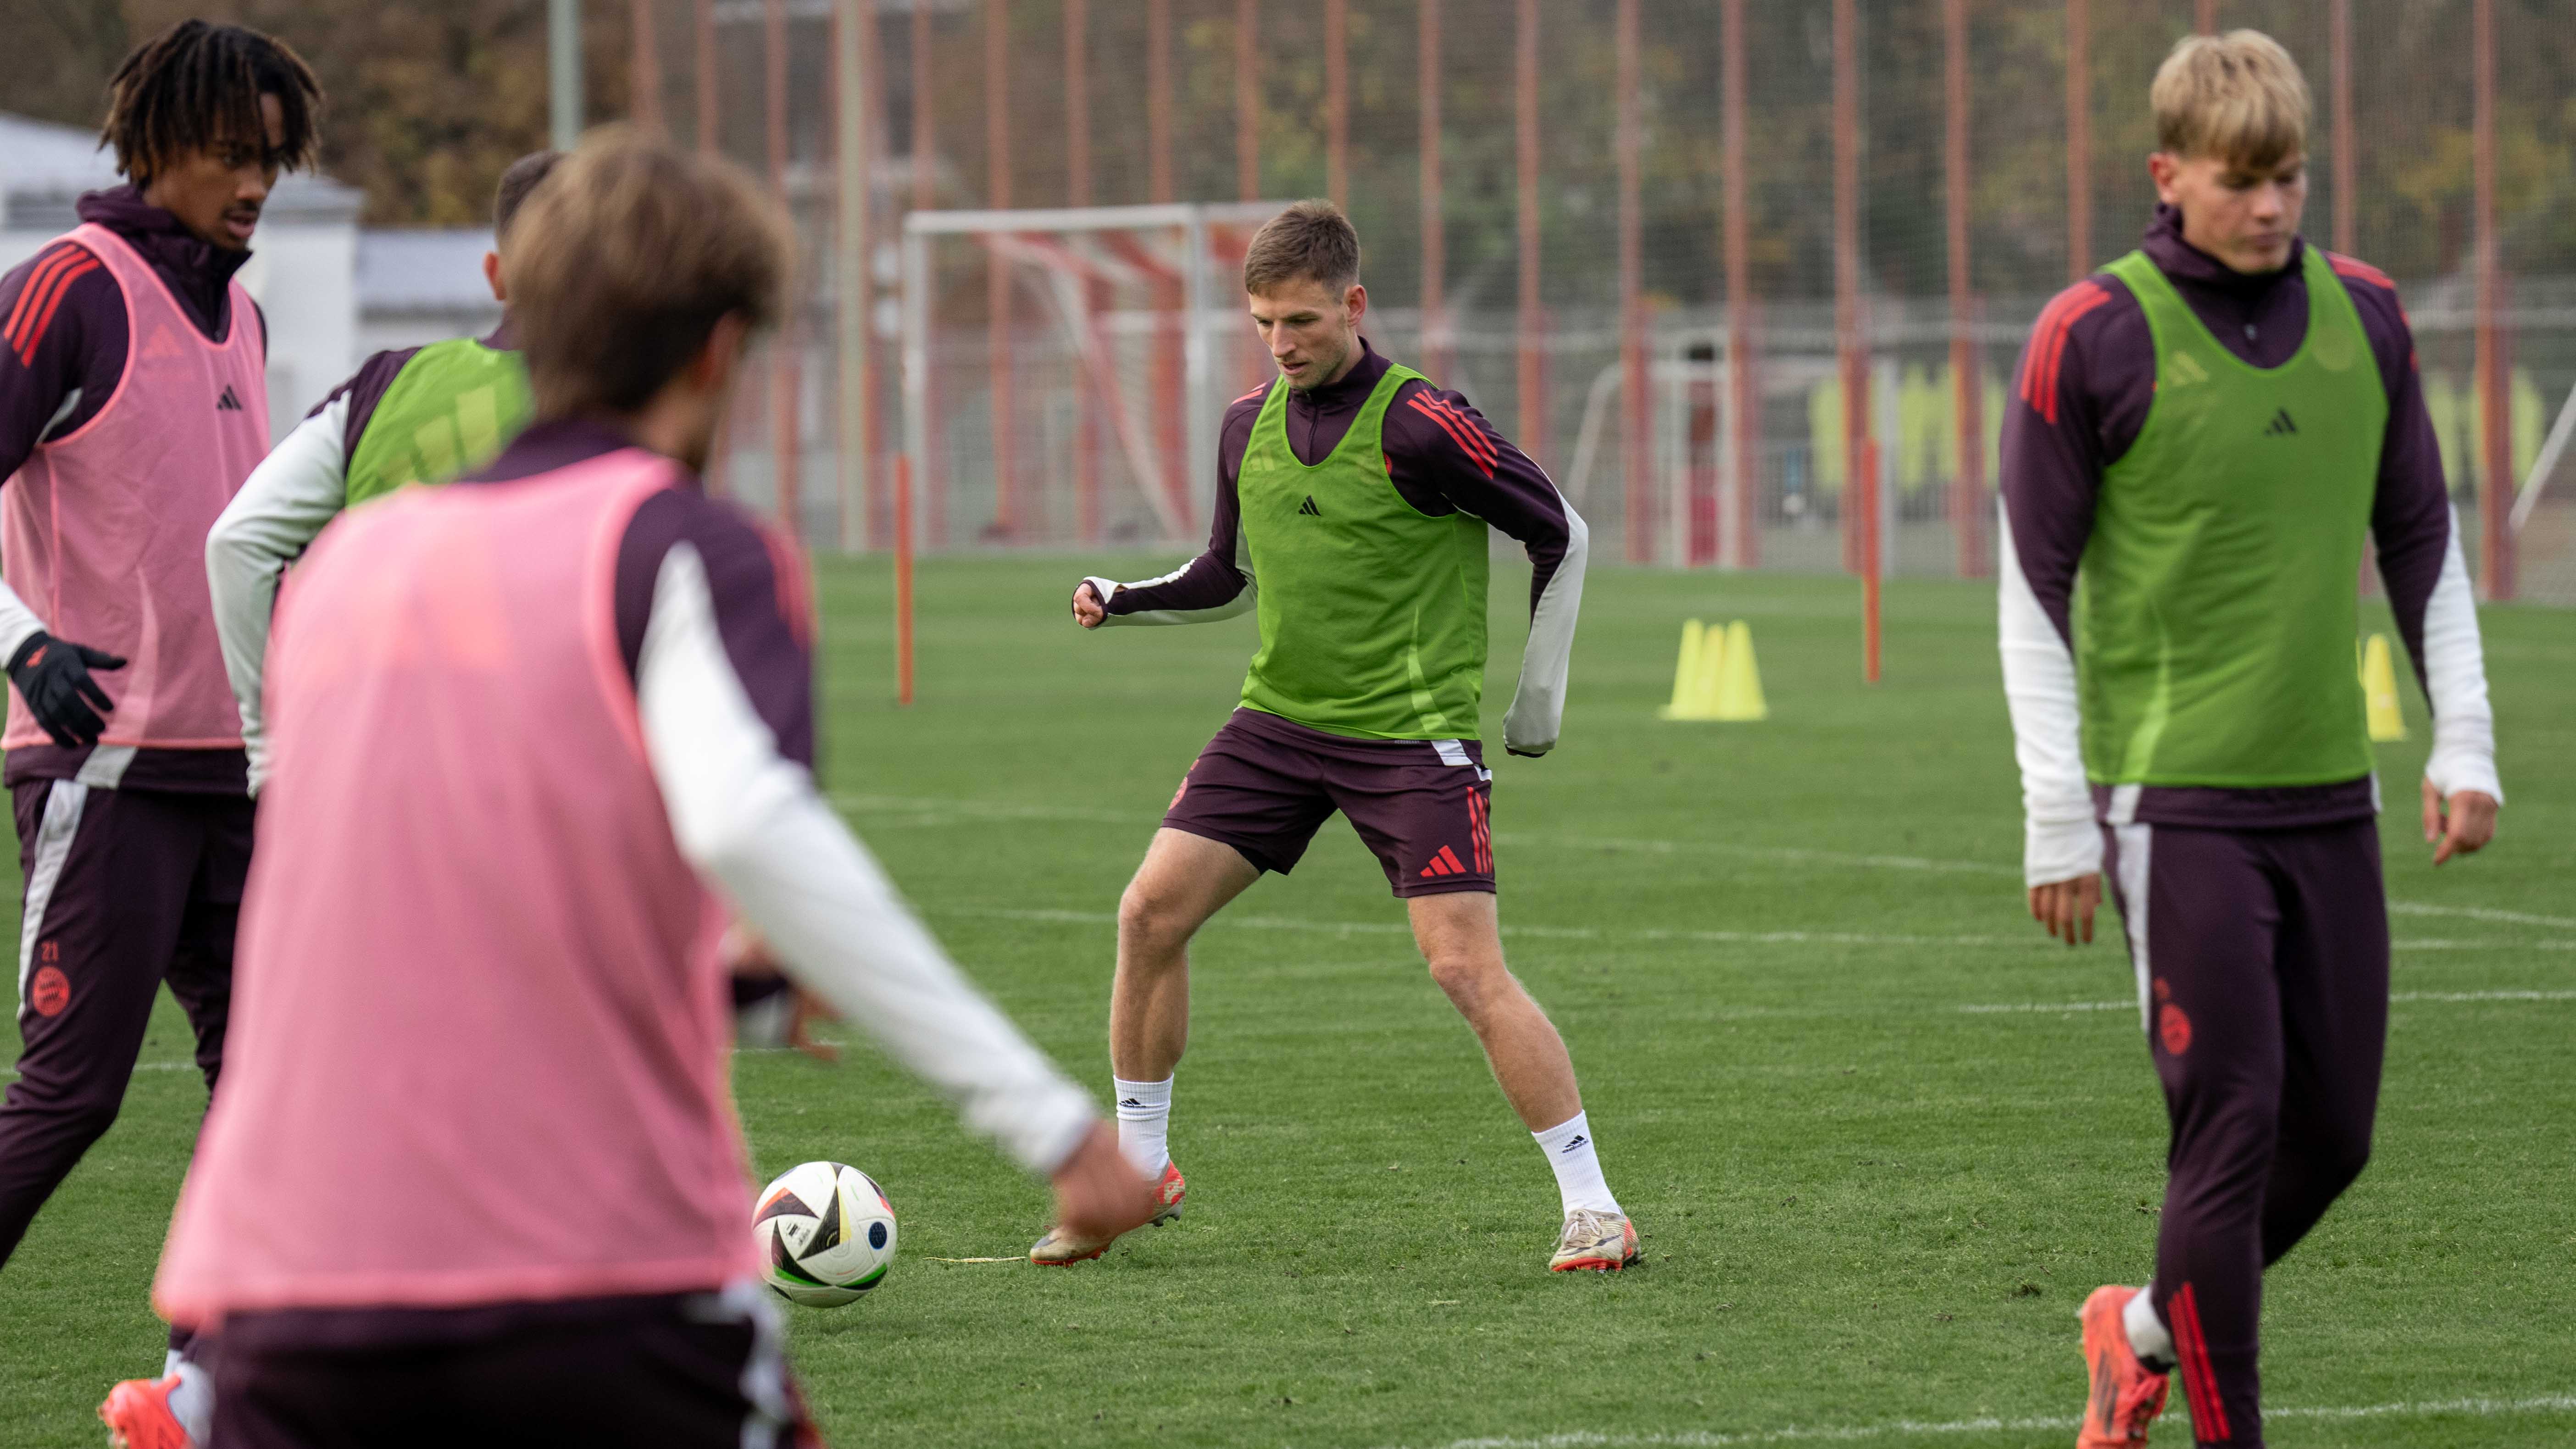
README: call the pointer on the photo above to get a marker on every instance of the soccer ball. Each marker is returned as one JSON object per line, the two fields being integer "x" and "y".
{"x": 826, "y": 1233}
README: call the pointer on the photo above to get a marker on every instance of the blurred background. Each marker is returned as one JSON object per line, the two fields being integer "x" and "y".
{"x": 1746, "y": 277}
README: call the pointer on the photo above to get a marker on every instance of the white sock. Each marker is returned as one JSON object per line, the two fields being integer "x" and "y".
{"x": 1569, "y": 1150}
{"x": 1145, "y": 1123}
{"x": 2147, "y": 1336}
{"x": 192, "y": 1403}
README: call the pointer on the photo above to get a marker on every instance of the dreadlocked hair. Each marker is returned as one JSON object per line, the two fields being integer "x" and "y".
{"x": 195, "y": 86}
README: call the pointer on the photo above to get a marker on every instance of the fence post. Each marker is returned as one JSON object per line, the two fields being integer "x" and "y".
{"x": 997, "y": 271}
{"x": 1533, "y": 325}
{"x": 1967, "y": 376}
{"x": 785, "y": 460}
{"x": 1744, "y": 402}
{"x": 1637, "y": 391}
{"x": 1435, "y": 230}
{"x": 854, "y": 142}
{"x": 2495, "y": 387}
{"x": 2079, "y": 139}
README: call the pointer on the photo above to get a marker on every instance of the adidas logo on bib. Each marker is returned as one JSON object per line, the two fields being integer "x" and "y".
{"x": 2281, "y": 427}
{"x": 1309, "y": 509}
{"x": 228, "y": 403}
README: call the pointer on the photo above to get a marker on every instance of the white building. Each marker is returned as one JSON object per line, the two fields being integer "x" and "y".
{"x": 332, "y": 292}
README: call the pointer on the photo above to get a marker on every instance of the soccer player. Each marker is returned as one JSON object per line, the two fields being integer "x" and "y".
{"x": 523, "y": 724}
{"x": 1352, "y": 505}
{"x": 133, "y": 402}
{"x": 2204, "y": 433}
{"x": 410, "y": 415}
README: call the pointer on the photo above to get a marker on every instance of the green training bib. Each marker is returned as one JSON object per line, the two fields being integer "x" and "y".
{"x": 1372, "y": 613}
{"x": 2216, "y": 603}
{"x": 450, "y": 410}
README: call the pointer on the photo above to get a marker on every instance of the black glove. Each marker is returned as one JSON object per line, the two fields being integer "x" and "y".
{"x": 52, "y": 676}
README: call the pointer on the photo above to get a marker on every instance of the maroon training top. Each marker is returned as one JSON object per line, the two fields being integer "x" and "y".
{"x": 62, "y": 353}
{"x": 2088, "y": 376}
{"x": 1444, "y": 458}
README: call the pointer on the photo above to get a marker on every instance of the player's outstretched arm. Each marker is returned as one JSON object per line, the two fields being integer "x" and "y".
{"x": 751, "y": 818}
{"x": 289, "y": 498}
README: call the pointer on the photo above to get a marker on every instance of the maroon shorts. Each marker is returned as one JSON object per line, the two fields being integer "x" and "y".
{"x": 1265, "y": 785}
{"x": 677, "y": 1371}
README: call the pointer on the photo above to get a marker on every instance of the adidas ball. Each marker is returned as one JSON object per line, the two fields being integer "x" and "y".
{"x": 826, "y": 1233}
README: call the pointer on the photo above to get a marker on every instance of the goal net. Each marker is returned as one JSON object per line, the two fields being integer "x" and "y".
{"x": 1064, "y": 371}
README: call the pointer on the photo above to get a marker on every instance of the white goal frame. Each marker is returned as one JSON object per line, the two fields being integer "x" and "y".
{"x": 1019, "y": 237}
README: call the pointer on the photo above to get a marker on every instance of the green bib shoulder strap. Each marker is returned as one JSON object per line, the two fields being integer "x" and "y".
{"x": 450, "y": 410}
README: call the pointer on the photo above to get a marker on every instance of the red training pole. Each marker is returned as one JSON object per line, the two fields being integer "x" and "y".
{"x": 903, "y": 580}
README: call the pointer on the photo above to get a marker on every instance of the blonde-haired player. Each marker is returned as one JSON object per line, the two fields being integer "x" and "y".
{"x": 2205, "y": 432}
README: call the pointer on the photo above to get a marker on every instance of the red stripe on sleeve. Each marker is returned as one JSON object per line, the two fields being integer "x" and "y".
{"x": 1451, "y": 429}
{"x": 2042, "y": 364}
{"x": 62, "y": 288}
{"x": 32, "y": 296}
{"x": 2345, "y": 266}
{"x": 1470, "y": 430}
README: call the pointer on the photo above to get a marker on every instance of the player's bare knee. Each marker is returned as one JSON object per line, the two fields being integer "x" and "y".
{"x": 1150, "y": 920}
{"x": 1472, "y": 980}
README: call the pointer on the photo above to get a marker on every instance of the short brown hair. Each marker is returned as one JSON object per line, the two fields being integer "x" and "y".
{"x": 516, "y": 183}
{"x": 625, "y": 259}
{"x": 195, "y": 86}
{"x": 1310, "y": 239}
{"x": 2238, "y": 97}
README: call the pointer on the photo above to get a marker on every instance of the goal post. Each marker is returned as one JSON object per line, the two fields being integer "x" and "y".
{"x": 1093, "y": 418}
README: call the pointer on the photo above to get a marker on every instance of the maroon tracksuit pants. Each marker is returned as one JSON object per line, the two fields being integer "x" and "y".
{"x": 2262, "y": 961}
{"x": 125, "y": 889}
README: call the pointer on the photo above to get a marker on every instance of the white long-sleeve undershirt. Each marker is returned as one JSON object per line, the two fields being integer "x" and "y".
{"x": 286, "y": 502}
{"x": 753, "y": 821}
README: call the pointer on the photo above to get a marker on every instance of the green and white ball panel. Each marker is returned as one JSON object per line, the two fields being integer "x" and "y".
{"x": 826, "y": 1233}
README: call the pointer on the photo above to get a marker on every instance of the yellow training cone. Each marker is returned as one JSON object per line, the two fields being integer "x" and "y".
{"x": 1739, "y": 683}
{"x": 1685, "y": 673}
{"x": 2379, "y": 691}
{"x": 1695, "y": 682}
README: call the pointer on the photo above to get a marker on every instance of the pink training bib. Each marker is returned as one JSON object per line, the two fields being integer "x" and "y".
{"x": 480, "y": 1031}
{"x": 103, "y": 532}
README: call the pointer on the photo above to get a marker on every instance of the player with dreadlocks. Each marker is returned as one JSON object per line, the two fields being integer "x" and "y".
{"x": 133, "y": 402}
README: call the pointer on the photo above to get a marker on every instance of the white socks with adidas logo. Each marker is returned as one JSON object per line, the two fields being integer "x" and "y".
{"x": 1145, "y": 1123}
{"x": 1570, "y": 1151}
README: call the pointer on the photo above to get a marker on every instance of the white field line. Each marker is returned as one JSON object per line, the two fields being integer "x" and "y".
{"x": 924, "y": 811}
{"x": 2033, "y": 941}
{"x": 2479, "y": 913}
{"x": 917, "y": 811}
{"x": 2399, "y": 998}
{"x": 1918, "y": 1429}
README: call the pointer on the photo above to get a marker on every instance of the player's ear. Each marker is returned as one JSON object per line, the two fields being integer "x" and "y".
{"x": 712, "y": 370}
{"x": 1355, "y": 301}
{"x": 492, "y": 277}
{"x": 2163, "y": 169}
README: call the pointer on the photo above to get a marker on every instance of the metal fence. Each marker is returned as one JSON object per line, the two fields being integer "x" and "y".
{"x": 1743, "y": 276}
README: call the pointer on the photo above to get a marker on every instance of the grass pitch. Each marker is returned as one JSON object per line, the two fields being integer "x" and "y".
{"x": 1880, "y": 1135}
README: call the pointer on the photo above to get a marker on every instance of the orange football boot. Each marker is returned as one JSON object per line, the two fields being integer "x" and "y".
{"x": 137, "y": 1415}
{"x": 2127, "y": 1395}
{"x": 1058, "y": 1249}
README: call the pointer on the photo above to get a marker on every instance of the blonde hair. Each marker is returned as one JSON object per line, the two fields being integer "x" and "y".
{"x": 624, "y": 258}
{"x": 2236, "y": 96}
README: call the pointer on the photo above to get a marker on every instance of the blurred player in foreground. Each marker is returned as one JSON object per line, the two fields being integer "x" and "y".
{"x": 411, "y": 415}
{"x": 1352, "y": 504}
{"x": 517, "y": 720}
{"x": 133, "y": 402}
{"x": 2204, "y": 435}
